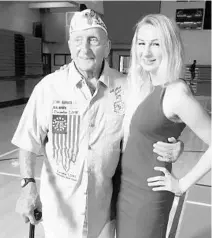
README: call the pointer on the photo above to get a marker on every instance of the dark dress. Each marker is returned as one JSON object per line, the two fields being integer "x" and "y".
{"x": 141, "y": 212}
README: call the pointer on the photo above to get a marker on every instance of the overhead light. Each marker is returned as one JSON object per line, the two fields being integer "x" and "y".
{"x": 48, "y": 4}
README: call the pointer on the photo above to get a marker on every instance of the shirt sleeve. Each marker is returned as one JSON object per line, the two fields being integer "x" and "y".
{"x": 31, "y": 130}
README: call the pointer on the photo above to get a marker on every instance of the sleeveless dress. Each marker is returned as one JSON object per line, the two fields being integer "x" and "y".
{"x": 141, "y": 212}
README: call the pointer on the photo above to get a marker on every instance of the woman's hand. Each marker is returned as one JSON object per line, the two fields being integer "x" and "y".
{"x": 168, "y": 182}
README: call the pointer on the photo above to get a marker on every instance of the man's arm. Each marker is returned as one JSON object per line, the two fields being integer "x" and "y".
{"x": 29, "y": 199}
{"x": 27, "y": 163}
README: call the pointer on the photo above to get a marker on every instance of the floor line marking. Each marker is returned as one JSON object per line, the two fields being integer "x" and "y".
{"x": 203, "y": 185}
{"x": 14, "y": 175}
{"x": 7, "y": 153}
{"x": 181, "y": 215}
{"x": 199, "y": 203}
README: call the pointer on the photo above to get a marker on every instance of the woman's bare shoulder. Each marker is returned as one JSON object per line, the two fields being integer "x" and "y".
{"x": 178, "y": 88}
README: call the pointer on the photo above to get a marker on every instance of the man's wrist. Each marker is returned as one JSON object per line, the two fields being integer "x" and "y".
{"x": 26, "y": 181}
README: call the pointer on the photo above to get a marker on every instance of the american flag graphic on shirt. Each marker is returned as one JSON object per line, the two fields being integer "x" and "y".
{"x": 65, "y": 133}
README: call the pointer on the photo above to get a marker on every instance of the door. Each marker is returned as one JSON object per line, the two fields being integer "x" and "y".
{"x": 46, "y": 63}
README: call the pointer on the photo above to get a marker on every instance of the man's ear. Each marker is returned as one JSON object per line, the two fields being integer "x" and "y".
{"x": 69, "y": 45}
{"x": 107, "y": 48}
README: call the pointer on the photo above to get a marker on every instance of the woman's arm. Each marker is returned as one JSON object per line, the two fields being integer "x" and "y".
{"x": 180, "y": 102}
{"x": 197, "y": 172}
{"x": 189, "y": 110}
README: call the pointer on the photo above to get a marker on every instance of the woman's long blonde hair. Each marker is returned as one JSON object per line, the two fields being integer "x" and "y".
{"x": 171, "y": 66}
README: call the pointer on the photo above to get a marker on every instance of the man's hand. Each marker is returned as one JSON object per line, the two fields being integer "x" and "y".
{"x": 28, "y": 202}
{"x": 168, "y": 152}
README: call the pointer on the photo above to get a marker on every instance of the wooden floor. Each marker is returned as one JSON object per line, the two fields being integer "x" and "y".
{"x": 194, "y": 220}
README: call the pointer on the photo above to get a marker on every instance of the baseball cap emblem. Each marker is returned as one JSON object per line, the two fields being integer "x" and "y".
{"x": 89, "y": 16}
{"x": 85, "y": 20}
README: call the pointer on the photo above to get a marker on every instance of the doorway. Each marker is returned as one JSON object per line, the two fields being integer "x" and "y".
{"x": 46, "y": 63}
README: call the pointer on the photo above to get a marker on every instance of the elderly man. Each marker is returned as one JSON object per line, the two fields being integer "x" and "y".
{"x": 74, "y": 116}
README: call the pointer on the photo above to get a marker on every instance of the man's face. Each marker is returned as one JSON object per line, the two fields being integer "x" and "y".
{"x": 88, "y": 48}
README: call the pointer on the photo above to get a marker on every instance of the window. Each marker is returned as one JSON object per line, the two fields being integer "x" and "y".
{"x": 61, "y": 59}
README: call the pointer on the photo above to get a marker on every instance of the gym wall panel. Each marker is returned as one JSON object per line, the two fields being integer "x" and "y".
{"x": 15, "y": 18}
{"x": 33, "y": 60}
{"x": 7, "y": 53}
{"x": 20, "y": 54}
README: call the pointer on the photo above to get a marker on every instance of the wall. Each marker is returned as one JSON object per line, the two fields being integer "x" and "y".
{"x": 55, "y": 35}
{"x": 95, "y": 5}
{"x": 56, "y": 48}
{"x": 8, "y": 89}
{"x": 197, "y": 43}
{"x": 18, "y": 17}
{"x": 121, "y": 17}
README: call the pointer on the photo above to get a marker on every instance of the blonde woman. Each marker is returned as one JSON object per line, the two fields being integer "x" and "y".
{"x": 160, "y": 105}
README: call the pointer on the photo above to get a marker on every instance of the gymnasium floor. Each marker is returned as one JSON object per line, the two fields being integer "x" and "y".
{"x": 193, "y": 215}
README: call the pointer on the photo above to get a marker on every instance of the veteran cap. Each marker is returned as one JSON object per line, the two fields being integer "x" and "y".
{"x": 85, "y": 20}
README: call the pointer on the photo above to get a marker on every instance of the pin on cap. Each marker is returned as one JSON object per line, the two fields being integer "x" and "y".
{"x": 85, "y": 20}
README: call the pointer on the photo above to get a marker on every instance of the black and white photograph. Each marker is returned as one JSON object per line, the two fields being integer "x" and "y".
{"x": 105, "y": 119}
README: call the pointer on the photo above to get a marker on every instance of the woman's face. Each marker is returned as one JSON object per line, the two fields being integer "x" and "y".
{"x": 148, "y": 48}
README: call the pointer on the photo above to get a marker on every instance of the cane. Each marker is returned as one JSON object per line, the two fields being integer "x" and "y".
{"x": 38, "y": 216}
